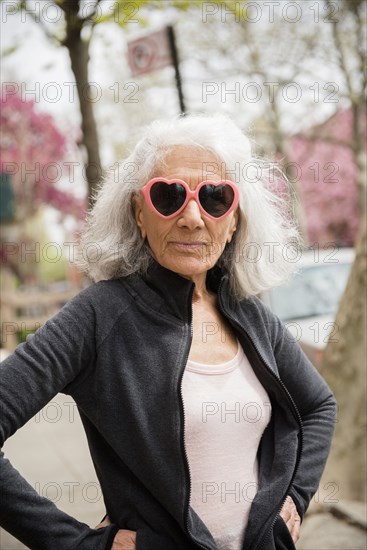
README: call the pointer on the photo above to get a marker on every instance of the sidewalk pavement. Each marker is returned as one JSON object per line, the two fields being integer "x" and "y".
{"x": 51, "y": 452}
{"x": 340, "y": 526}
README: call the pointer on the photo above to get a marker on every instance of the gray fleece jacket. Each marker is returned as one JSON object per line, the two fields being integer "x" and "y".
{"x": 119, "y": 348}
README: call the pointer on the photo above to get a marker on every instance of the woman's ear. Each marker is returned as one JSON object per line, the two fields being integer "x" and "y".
{"x": 233, "y": 227}
{"x": 138, "y": 213}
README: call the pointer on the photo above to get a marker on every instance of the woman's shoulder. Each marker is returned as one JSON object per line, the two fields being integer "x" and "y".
{"x": 105, "y": 287}
{"x": 101, "y": 298}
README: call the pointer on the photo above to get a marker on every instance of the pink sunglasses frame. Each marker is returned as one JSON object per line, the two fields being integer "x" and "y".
{"x": 189, "y": 195}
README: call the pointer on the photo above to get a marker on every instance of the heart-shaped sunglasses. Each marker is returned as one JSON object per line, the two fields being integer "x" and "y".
{"x": 168, "y": 197}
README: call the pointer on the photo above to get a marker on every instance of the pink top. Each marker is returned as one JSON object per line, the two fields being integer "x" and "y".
{"x": 226, "y": 412}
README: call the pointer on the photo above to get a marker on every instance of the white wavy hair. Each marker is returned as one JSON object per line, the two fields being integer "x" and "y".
{"x": 256, "y": 259}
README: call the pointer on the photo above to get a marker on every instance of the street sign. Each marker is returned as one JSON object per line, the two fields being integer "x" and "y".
{"x": 149, "y": 53}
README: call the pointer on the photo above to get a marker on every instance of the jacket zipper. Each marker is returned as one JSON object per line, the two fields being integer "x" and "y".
{"x": 290, "y": 398}
{"x": 284, "y": 389}
{"x": 268, "y": 534}
{"x": 186, "y": 460}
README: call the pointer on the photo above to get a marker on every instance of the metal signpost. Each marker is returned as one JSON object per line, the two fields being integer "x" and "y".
{"x": 155, "y": 51}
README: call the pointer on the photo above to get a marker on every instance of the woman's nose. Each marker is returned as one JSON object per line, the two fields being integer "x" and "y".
{"x": 191, "y": 216}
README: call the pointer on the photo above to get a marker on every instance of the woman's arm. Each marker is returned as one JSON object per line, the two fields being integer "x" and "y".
{"x": 316, "y": 405}
{"x": 124, "y": 539}
{"x": 59, "y": 353}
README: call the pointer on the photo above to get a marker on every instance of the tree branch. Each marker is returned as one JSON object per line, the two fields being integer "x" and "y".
{"x": 340, "y": 51}
{"x": 91, "y": 17}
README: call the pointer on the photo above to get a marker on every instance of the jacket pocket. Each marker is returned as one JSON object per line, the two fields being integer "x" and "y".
{"x": 146, "y": 539}
{"x": 282, "y": 537}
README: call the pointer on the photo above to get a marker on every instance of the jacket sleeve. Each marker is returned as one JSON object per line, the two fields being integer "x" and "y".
{"x": 58, "y": 354}
{"x": 316, "y": 405}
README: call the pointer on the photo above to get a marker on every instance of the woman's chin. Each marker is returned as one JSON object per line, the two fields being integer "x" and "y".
{"x": 187, "y": 266}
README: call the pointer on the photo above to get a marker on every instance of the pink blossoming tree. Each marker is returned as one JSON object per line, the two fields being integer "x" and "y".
{"x": 327, "y": 176}
{"x": 33, "y": 151}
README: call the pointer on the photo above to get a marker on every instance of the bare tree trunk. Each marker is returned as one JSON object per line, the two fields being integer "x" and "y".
{"x": 344, "y": 368}
{"x": 359, "y": 152}
{"x": 344, "y": 365}
{"x": 78, "y": 49}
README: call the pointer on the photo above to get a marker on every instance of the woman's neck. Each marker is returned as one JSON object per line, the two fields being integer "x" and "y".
{"x": 201, "y": 293}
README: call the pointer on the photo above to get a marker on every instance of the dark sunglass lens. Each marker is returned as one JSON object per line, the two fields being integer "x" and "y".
{"x": 216, "y": 199}
{"x": 167, "y": 198}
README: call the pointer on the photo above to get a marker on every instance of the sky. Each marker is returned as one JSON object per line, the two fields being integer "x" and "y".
{"x": 212, "y": 79}
{"x": 37, "y": 63}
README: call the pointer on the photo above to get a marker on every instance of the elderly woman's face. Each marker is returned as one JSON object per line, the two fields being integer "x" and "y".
{"x": 189, "y": 243}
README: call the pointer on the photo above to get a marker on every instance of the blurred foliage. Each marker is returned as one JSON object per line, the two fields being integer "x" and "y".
{"x": 30, "y": 253}
{"x": 32, "y": 151}
{"x": 21, "y": 335}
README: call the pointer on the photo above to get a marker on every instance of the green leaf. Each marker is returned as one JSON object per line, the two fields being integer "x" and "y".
{"x": 10, "y": 50}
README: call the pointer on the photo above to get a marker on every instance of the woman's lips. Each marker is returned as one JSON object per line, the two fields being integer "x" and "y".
{"x": 187, "y": 245}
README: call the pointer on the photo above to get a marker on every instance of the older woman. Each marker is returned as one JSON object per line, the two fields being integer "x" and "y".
{"x": 207, "y": 425}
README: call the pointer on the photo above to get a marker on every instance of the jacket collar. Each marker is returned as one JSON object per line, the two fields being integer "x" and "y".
{"x": 165, "y": 289}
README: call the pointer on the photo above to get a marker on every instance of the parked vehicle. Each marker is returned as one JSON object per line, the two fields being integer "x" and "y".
{"x": 308, "y": 303}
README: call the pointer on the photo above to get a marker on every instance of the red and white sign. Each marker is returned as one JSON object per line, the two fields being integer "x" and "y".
{"x": 149, "y": 53}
